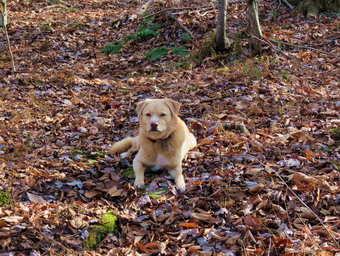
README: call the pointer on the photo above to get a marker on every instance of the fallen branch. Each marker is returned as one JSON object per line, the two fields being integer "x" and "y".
{"x": 304, "y": 47}
{"x": 272, "y": 46}
{"x": 270, "y": 41}
{"x": 7, "y": 39}
{"x": 180, "y": 23}
{"x": 142, "y": 10}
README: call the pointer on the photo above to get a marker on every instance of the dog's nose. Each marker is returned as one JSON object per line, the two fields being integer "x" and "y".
{"x": 154, "y": 125}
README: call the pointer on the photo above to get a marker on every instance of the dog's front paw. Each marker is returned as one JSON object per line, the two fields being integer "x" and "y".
{"x": 139, "y": 184}
{"x": 182, "y": 190}
{"x": 181, "y": 186}
{"x": 123, "y": 155}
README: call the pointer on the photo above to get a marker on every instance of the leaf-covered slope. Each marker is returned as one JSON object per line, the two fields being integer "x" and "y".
{"x": 264, "y": 179}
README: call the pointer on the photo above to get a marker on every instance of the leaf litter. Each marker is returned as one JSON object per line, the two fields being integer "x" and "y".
{"x": 267, "y": 129}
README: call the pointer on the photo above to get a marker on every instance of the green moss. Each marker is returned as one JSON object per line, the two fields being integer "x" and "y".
{"x": 207, "y": 48}
{"x": 158, "y": 193}
{"x": 128, "y": 172}
{"x": 335, "y": 133}
{"x": 87, "y": 154}
{"x": 92, "y": 241}
{"x": 4, "y": 199}
{"x": 98, "y": 232}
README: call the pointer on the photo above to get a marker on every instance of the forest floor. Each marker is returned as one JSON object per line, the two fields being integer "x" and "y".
{"x": 264, "y": 178}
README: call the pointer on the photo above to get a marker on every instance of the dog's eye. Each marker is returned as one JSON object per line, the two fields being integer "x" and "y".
{"x": 163, "y": 114}
{"x": 148, "y": 114}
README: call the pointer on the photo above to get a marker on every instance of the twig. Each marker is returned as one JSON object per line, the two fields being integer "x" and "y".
{"x": 7, "y": 39}
{"x": 270, "y": 245}
{"x": 180, "y": 23}
{"x": 267, "y": 42}
{"x": 52, "y": 241}
{"x": 288, "y": 4}
{"x": 305, "y": 205}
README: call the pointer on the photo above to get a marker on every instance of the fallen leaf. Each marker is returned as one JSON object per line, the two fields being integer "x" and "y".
{"x": 36, "y": 198}
{"x": 188, "y": 225}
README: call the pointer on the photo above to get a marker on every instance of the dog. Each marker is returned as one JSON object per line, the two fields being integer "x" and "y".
{"x": 162, "y": 142}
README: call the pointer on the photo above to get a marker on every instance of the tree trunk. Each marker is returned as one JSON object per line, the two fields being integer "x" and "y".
{"x": 3, "y": 14}
{"x": 254, "y": 28}
{"x": 222, "y": 42}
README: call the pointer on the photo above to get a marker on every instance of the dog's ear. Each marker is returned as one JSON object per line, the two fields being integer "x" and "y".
{"x": 140, "y": 107}
{"x": 173, "y": 105}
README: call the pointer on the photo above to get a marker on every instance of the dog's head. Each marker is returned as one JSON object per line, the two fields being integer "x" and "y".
{"x": 158, "y": 117}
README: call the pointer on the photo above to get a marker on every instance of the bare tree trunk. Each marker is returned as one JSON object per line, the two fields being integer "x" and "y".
{"x": 254, "y": 27}
{"x": 222, "y": 42}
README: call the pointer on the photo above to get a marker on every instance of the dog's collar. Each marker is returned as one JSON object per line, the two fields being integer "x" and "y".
{"x": 164, "y": 142}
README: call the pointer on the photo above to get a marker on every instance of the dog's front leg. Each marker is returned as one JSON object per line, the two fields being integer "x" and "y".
{"x": 176, "y": 173}
{"x": 139, "y": 170}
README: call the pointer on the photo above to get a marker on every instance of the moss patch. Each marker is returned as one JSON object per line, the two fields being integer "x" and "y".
{"x": 207, "y": 48}
{"x": 4, "y": 199}
{"x": 335, "y": 133}
{"x": 129, "y": 172}
{"x": 157, "y": 193}
{"x": 98, "y": 232}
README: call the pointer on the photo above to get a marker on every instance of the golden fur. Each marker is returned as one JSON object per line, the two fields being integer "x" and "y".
{"x": 163, "y": 140}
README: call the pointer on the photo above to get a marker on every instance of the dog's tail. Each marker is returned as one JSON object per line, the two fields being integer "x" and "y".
{"x": 121, "y": 146}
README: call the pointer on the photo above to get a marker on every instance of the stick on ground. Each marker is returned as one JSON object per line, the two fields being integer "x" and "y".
{"x": 180, "y": 23}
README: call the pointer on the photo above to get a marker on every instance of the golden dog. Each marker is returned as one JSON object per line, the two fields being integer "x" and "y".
{"x": 163, "y": 140}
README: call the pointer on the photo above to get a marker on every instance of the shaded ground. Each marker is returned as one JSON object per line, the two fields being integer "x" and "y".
{"x": 248, "y": 193}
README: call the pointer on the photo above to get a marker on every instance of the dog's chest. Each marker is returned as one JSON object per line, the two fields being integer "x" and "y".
{"x": 160, "y": 162}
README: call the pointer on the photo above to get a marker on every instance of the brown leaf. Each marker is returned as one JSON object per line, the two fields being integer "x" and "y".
{"x": 92, "y": 193}
{"x": 203, "y": 216}
{"x": 303, "y": 182}
{"x": 143, "y": 248}
{"x": 114, "y": 191}
{"x": 36, "y": 198}
{"x": 252, "y": 222}
{"x": 189, "y": 225}
{"x": 152, "y": 245}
